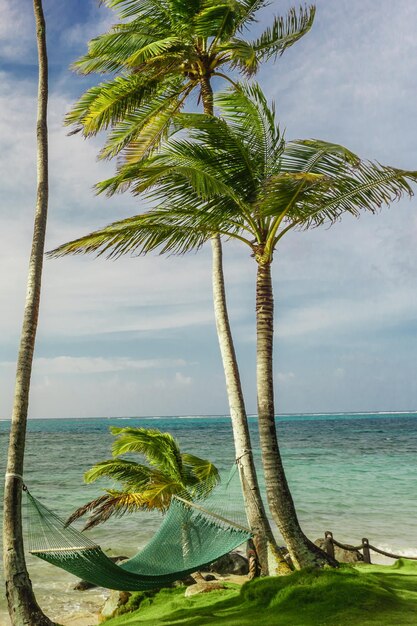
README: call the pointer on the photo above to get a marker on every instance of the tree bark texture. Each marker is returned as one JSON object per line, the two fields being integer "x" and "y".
{"x": 22, "y": 605}
{"x": 302, "y": 551}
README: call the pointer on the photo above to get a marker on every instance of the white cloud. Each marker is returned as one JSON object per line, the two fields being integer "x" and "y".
{"x": 94, "y": 365}
{"x": 285, "y": 377}
{"x": 180, "y": 379}
{"x": 336, "y": 314}
{"x": 16, "y": 32}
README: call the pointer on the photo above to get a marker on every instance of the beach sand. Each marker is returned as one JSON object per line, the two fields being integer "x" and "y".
{"x": 82, "y": 617}
{"x": 68, "y": 608}
{"x": 86, "y": 619}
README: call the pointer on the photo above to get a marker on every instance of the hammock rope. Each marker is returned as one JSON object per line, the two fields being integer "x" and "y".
{"x": 189, "y": 538}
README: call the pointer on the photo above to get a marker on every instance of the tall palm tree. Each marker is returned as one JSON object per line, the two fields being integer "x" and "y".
{"x": 238, "y": 176}
{"x": 22, "y": 605}
{"x": 159, "y": 54}
{"x": 146, "y": 486}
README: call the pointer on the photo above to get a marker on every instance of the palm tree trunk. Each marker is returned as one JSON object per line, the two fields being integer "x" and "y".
{"x": 302, "y": 551}
{"x": 254, "y": 507}
{"x": 255, "y": 510}
{"x": 23, "y": 608}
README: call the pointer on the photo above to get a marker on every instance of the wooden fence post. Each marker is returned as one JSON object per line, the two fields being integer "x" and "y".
{"x": 328, "y": 543}
{"x": 366, "y": 551}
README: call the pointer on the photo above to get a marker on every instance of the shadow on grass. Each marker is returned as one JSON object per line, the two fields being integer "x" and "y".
{"x": 346, "y": 597}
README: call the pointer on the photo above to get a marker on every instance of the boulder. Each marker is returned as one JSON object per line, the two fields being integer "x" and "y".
{"x": 342, "y": 555}
{"x": 83, "y": 585}
{"x": 115, "y": 600}
{"x": 232, "y": 563}
{"x": 203, "y": 587}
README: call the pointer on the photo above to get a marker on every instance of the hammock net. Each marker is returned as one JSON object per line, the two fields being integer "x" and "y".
{"x": 189, "y": 538}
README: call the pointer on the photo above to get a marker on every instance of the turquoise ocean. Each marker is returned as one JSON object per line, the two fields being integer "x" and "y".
{"x": 353, "y": 474}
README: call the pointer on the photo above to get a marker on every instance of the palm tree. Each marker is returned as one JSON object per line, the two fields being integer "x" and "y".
{"x": 163, "y": 51}
{"x": 23, "y": 608}
{"x": 237, "y": 176}
{"x": 159, "y": 55}
{"x": 146, "y": 487}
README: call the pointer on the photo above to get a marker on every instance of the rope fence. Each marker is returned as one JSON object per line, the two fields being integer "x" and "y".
{"x": 330, "y": 543}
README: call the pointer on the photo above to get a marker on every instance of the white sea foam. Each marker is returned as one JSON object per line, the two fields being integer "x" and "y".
{"x": 407, "y": 551}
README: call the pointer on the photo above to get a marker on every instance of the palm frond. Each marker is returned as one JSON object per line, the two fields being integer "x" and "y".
{"x": 217, "y": 134}
{"x": 183, "y": 165}
{"x": 284, "y": 32}
{"x": 160, "y": 48}
{"x": 110, "y": 102}
{"x": 204, "y": 182}
{"x": 160, "y": 449}
{"x": 86, "y": 508}
{"x": 112, "y": 504}
{"x": 158, "y": 495}
{"x": 206, "y": 473}
{"x": 110, "y": 51}
{"x": 315, "y": 156}
{"x": 247, "y": 110}
{"x": 367, "y": 187}
{"x": 142, "y": 131}
{"x": 241, "y": 55}
{"x": 184, "y": 11}
{"x": 144, "y": 8}
{"x": 215, "y": 19}
{"x": 281, "y": 191}
{"x": 138, "y": 235}
{"x": 247, "y": 13}
{"x": 127, "y": 472}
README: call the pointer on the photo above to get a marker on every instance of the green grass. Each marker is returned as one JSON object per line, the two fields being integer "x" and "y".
{"x": 367, "y": 595}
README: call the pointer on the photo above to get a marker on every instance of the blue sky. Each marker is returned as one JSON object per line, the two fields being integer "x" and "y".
{"x": 136, "y": 336}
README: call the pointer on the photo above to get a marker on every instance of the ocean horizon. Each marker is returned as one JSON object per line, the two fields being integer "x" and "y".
{"x": 296, "y": 414}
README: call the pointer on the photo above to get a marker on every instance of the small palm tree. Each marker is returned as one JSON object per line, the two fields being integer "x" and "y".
{"x": 146, "y": 487}
{"x": 237, "y": 176}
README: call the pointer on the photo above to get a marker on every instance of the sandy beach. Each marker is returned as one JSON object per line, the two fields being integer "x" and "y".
{"x": 81, "y": 620}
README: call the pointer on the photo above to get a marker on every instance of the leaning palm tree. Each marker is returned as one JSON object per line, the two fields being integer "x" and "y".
{"x": 159, "y": 55}
{"x": 238, "y": 176}
{"x": 22, "y": 605}
{"x": 149, "y": 486}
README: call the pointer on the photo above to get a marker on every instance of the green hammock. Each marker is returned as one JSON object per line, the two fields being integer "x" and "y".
{"x": 188, "y": 539}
